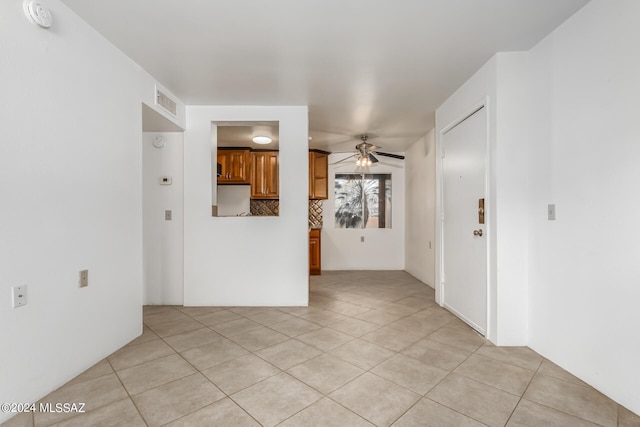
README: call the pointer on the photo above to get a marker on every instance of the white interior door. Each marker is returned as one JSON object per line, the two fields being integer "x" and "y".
{"x": 464, "y": 238}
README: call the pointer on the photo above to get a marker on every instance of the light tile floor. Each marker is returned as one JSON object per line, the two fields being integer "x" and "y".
{"x": 371, "y": 349}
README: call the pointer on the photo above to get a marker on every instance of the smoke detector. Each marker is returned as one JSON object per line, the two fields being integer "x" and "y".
{"x": 159, "y": 141}
{"x": 37, "y": 13}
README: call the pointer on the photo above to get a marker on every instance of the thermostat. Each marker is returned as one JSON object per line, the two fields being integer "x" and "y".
{"x": 165, "y": 180}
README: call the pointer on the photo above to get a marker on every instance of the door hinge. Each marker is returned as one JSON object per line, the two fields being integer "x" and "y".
{"x": 442, "y": 151}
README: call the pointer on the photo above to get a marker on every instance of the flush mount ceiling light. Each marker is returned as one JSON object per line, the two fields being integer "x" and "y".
{"x": 261, "y": 140}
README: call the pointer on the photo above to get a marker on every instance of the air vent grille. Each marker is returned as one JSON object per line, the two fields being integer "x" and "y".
{"x": 165, "y": 102}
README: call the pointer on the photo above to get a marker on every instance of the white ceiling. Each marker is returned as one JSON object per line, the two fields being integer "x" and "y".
{"x": 240, "y": 134}
{"x": 363, "y": 66}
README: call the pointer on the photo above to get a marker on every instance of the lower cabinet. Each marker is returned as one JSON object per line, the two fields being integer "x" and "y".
{"x": 315, "y": 266}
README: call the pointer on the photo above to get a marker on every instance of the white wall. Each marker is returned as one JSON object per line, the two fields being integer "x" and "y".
{"x": 383, "y": 248}
{"x": 584, "y": 271}
{"x": 501, "y": 85}
{"x": 509, "y": 188}
{"x": 70, "y": 185}
{"x": 246, "y": 260}
{"x": 420, "y": 195}
{"x": 563, "y": 130}
{"x": 163, "y": 247}
{"x": 480, "y": 89}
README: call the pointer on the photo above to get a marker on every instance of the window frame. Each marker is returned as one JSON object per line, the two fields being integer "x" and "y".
{"x": 383, "y": 195}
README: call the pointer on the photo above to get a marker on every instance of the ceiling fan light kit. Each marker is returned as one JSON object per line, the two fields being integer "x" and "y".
{"x": 363, "y": 161}
{"x": 364, "y": 154}
{"x": 366, "y": 150}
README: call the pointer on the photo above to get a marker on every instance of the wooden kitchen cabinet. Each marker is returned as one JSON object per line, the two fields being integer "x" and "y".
{"x": 264, "y": 175}
{"x": 318, "y": 175}
{"x": 315, "y": 264}
{"x": 236, "y": 166}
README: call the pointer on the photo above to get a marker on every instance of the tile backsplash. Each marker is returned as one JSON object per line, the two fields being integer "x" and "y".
{"x": 264, "y": 207}
{"x": 272, "y": 208}
{"x": 315, "y": 213}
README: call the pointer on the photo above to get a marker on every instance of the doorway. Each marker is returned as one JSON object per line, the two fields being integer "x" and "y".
{"x": 162, "y": 210}
{"x": 464, "y": 251}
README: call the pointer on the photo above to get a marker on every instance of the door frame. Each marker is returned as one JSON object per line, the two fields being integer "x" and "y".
{"x": 489, "y": 220}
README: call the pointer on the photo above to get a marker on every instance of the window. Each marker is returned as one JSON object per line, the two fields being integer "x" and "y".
{"x": 363, "y": 200}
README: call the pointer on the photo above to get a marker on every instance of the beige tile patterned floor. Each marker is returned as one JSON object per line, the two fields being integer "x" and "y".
{"x": 372, "y": 349}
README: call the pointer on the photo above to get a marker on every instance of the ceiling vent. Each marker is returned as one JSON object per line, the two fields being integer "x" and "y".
{"x": 165, "y": 102}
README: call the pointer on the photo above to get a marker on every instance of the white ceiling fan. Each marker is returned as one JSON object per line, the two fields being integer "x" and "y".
{"x": 365, "y": 153}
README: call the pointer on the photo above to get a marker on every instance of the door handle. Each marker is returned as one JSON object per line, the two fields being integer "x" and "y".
{"x": 477, "y": 232}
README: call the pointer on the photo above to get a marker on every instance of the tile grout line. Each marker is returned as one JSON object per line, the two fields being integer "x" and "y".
{"x": 439, "y": 382}
{"x": 556, "y": 409}
{"x": 207, "y": 378}
{"x": 367, "y": 370}
{"x": 129, "y": 396}
{"x": 524, "y": 392}
{"x": 344, "y": 291}
{"x": 451, "y": 371}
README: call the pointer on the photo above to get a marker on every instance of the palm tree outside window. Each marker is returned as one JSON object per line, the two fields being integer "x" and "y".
{"x": 363, "y": 200}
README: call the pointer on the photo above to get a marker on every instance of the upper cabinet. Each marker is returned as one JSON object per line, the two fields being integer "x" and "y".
{"x": 264, "y": 175}
{"x": 236, "y": 166}
{"x": 318, "y": 175}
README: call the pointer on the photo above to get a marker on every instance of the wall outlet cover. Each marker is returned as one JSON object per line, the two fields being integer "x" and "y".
{"x": 84, "y": 278}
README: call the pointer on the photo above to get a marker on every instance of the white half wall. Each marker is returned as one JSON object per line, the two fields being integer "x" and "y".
{"x": 246, "y": 261}
{"x": 71, "y": 186}
{"x": 163, "y": 241}
{"x": 420, "y": 195}
{"x": 584, "y": 268}
{"x": 383, "y": 248}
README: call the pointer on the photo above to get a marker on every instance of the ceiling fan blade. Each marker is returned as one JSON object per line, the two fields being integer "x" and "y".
{"x": 373, "y": 159}
{"x": 394, "y": 156}
{"x": 345, "y": 159}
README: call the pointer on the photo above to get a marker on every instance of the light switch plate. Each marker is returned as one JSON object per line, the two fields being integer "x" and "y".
{"x": 166, "y": 180}
{"x": 551, "y": 212}
{"x": 167, "y": 215}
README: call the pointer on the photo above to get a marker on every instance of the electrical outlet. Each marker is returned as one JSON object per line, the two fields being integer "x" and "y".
{"x": 167, "y": 215}
{"x": 84, "y": 278}
{"x": 19, "y": 296}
